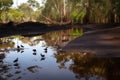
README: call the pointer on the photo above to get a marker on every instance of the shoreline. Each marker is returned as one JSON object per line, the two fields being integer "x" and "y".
{"x": 101, "y": 43}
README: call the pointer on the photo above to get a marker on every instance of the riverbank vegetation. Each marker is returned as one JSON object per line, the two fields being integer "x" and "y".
{"x": 62, "y": 11}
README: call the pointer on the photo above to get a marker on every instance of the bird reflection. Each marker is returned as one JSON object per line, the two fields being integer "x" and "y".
{"x": 22, "y": 51}
{"x": 16, "y": 64}
{"x": 34, "y": 53}
{"x": 42, "y": 58}
{"x": 16, "y": 60}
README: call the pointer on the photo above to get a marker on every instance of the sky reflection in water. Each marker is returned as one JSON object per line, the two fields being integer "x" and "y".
{"x": 26, "y": 64}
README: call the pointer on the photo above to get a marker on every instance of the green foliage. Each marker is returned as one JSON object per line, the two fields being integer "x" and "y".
{"x": 78, "y": 16}
{"x": 5, "y": 4}
{"x": 80, "y": 11}
{"x": 3, "y": 16}
{"x": 27, "y": 10}
{"x": 4, "y": 7}
{"x": 15, "y": 15}
{"x": 91, "y": 11}
{"x": 77, "y": 32}
{"x": 33, "y": 4}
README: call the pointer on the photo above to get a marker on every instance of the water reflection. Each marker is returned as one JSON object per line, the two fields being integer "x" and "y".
{"x": 89, "y": 67}
{"x": 40, "y": 58}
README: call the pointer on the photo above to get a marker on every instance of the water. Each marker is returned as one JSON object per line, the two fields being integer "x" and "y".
{"x": 40, "y": 58}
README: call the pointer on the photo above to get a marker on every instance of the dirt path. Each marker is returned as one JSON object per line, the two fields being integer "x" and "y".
{"x": 104, "y": 42}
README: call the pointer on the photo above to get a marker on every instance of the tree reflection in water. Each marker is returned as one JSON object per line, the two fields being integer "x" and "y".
{"x": 49, "y": 60}
{"x": 90, "y": 67}
{"x": 10, "y": 68}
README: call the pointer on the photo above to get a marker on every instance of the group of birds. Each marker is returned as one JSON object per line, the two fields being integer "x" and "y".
{"x": 42, "y": 55}
{"x": 21, "y": 47}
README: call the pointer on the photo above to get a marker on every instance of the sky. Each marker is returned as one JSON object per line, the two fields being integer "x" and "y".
{"x": 18, "y": 2}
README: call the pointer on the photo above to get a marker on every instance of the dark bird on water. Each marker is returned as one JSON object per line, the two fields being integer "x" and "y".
{"x": 18, "y": 47}
{"x": 42, "y": 55}
{"x": 46, "y": 49}
{"x": 34, "y": 50}
{"x": 16, "y": 60}
{"x": 22, "y": 46}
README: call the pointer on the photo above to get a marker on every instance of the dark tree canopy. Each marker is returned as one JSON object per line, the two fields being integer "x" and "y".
{"x": 33, "y": 3}
{"x": 5, "y": 4}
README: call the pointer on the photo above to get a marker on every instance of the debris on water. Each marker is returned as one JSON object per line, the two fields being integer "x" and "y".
{"x": 33, "y": 69}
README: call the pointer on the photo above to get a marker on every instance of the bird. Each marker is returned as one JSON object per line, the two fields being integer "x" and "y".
{"x": 16, "y": 60}
{"x": 34, "y": 50}
{"x": 22, "y": 46}
{"x": 42, "y": 55}
{"x": 18, "y": 47}
{"x": 46, "y": 49}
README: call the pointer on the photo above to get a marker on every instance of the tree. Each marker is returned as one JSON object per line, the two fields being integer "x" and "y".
{"x": 26, "y": 10}
{"x": 56, "y": 10}
{"x": 63, "y": 11}
{"x": 115, "y": 10}
{"x": 4, "y": 6}
{"x": 15, "y": 15}
{"x": 34, "y": 4}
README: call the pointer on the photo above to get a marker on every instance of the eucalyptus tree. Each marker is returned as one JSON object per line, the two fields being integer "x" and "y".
{"x": 60, "y": 11}
{"x": 26, "y": 10}
{"x": 82, "y": 11}
{"x": 53, "y": 10}
{"x": 78, "y": 10}
{"x": 115, "y": 10}
{"x": 15, "y": 15}
{"x": 33, "y": 4}
{"x": 4, "y": 6}
{"x": 99, "y": 11}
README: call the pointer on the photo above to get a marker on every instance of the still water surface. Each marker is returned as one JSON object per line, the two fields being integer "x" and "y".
{"x": 40, "y": 58}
